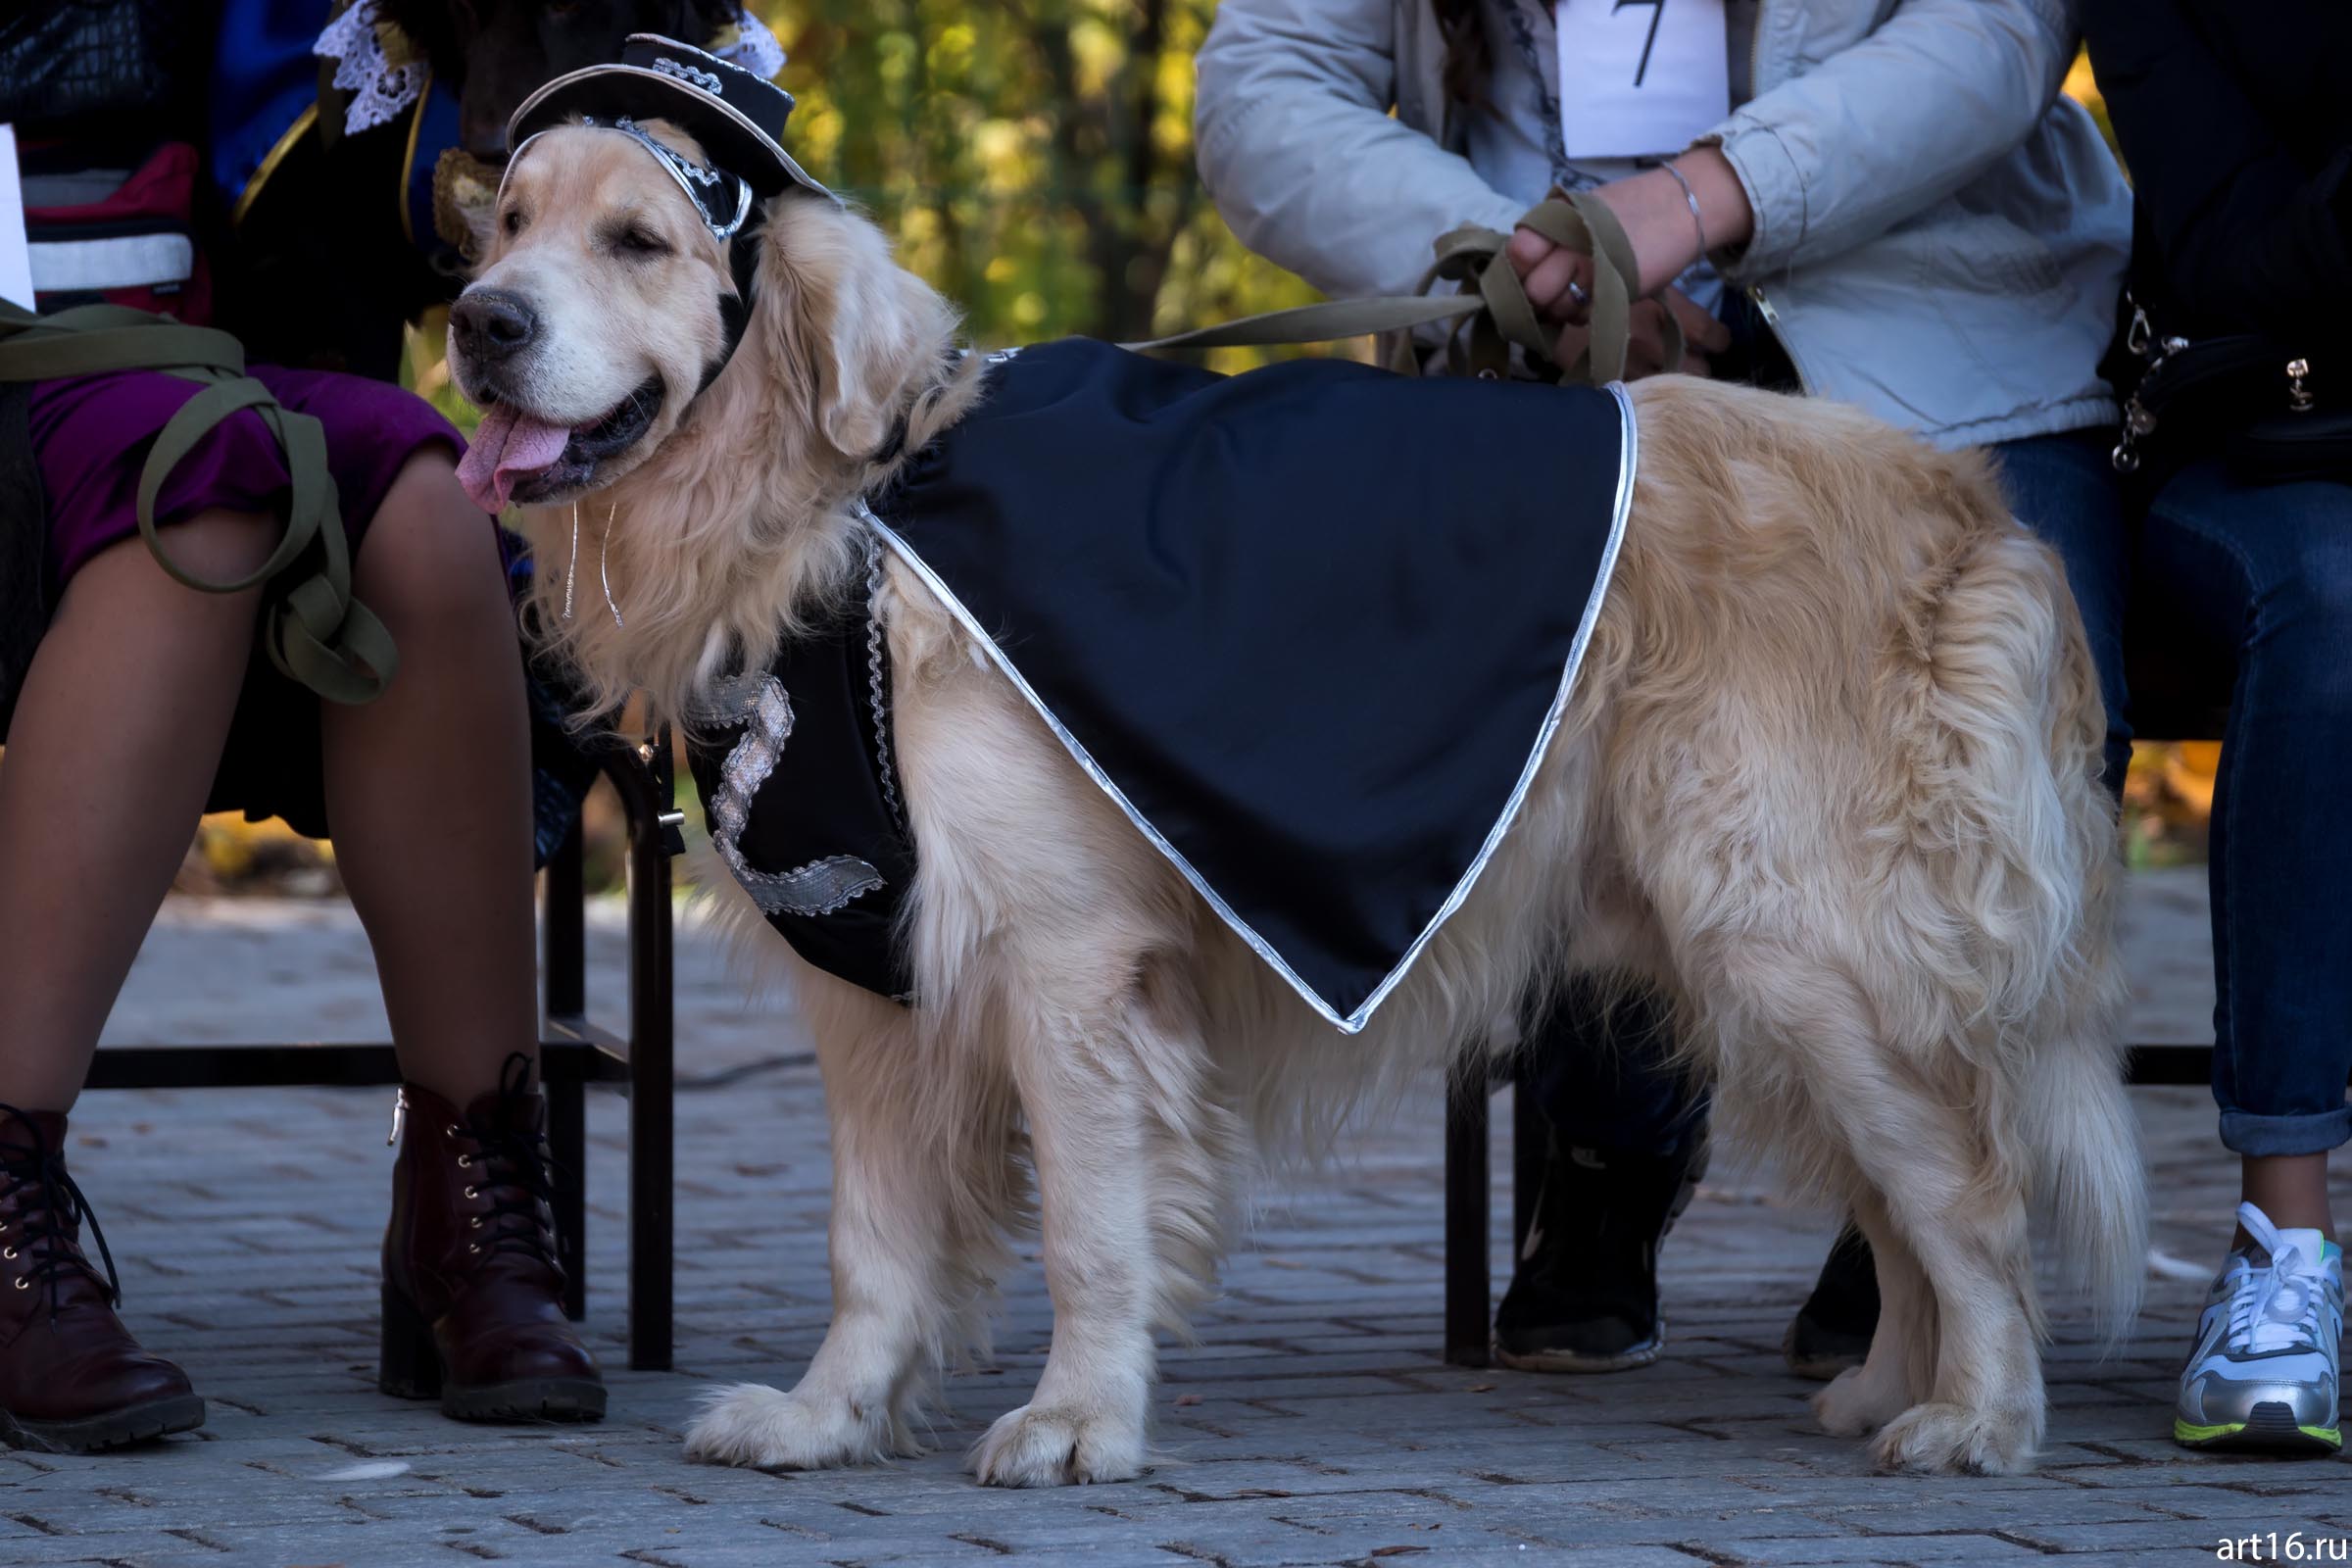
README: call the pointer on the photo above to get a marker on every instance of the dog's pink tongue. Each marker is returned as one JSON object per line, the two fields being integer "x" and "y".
{"x": 505, "y": 448}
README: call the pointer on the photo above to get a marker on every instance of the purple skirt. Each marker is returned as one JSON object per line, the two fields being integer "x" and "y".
{"x": 90, "y": 436}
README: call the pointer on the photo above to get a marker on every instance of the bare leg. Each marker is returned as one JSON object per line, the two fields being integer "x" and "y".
{"x": 429, "y": 791}
{"x": 116, "y": 736}
{"x": 2291, "y": 1189}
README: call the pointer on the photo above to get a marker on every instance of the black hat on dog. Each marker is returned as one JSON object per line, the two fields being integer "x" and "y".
{"x": 737, "y": 116}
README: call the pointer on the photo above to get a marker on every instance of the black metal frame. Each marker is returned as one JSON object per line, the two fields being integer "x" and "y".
{"x": 573, "y": 1051}
{"x": 1469, "y": 1283}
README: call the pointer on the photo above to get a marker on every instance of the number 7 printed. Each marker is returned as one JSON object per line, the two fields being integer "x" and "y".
{"x": 1657, "y": 13}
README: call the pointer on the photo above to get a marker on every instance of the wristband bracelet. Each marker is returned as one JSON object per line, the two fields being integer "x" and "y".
{"x": 1690, "y": 197}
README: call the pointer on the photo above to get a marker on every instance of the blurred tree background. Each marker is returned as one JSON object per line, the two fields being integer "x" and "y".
{"x": 1034, "y": 158}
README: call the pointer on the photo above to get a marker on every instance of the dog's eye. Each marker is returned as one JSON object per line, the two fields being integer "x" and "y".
{"x": 513, "y": 220}
{"x": 640, "y": 242}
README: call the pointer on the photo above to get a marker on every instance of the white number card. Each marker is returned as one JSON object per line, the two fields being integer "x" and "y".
{"x": 1639, "y": 78}
{"x": 16, "y": 255}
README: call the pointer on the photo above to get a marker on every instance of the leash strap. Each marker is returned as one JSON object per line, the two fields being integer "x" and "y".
{"x": 1492, "y": 301}
{"x": 312, "y": 629}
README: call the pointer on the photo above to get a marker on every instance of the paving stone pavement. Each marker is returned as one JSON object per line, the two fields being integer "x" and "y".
{"x": 1313, "y": 1423}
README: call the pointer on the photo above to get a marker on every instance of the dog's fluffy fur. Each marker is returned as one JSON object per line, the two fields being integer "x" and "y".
{"x": 1829, "y": 784}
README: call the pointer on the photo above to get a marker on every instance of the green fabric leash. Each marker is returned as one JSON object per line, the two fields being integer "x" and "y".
{"x": 1492, "y": 300}
{"x": 314, "y": 631}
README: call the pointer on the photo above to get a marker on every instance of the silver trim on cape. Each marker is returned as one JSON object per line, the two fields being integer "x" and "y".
{"x": 1629, "y": 458}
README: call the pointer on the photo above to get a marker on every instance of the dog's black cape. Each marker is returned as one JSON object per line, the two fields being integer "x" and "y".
{"x": 1310, "y": 627}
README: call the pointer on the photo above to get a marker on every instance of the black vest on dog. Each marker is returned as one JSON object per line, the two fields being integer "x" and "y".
{"x": 1310, "y": 627}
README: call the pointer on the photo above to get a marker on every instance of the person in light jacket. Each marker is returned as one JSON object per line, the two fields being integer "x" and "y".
{"x": 1900, "y": 210}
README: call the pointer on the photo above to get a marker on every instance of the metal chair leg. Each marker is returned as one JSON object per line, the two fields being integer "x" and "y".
{"x": 563, "y": 971}
{"x": 563, "y": 967}
{"x": 652, "y": 1155}
{"x": 568, "y": 1144}
{"x": 1468, "y": 1288}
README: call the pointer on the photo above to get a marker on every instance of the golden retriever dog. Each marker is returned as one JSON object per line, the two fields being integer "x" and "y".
{"x": 1829, "y": 784}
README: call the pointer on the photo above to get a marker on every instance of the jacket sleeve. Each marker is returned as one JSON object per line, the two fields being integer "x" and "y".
{"x": 2245, "y": 234}
{"x": 1298, "y": 151}
{"x": 1877, "y": 133}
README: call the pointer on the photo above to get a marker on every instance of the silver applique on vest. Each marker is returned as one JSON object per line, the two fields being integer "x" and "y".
{"x": 759, "y": 704}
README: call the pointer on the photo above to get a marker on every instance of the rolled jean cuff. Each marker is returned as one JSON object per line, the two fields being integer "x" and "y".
{"x": 2317, "y": 1133}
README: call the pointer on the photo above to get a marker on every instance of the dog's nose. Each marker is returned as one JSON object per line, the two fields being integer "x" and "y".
{"x": 490, "y": 324}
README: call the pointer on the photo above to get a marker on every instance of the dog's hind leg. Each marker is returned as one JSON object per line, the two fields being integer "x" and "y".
{"x": 1900, "y": 1370}
{"x": 1912, "y": 1123}
{"x": 921, "y": 1175}
{"x": 1104, "y": 1096}
{"x": 1986, "y": 1407}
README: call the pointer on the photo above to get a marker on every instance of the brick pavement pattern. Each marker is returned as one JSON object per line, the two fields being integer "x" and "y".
{"x": 1313, "y": 1423}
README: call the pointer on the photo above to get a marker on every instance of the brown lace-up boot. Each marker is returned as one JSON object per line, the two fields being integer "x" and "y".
{"x": 71, "y": 1377}
{"x": 473, "y": 1306}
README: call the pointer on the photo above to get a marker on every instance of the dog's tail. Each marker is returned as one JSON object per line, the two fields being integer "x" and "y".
{"x": 2014, "y": 671}
{"x": 2084, "y": 1146}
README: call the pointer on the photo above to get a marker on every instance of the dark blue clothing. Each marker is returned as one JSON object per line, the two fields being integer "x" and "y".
{"x": 2261, "y": 580}
{"x": 2064, "y": 489}
{"x": 1228, "y": 597}
{"x": 2256, "y": 580}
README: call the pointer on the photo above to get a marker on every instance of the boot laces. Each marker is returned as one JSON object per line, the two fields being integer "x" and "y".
{"x": 52, "y": 1211}
{"x": 519, "y": 1174}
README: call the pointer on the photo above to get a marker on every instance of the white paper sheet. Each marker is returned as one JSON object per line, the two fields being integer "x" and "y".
{"x": 1639, "y": 78}
{"x": 16, "y": 253}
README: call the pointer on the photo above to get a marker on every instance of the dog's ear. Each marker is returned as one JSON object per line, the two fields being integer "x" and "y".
{"x": 841, "y": 319}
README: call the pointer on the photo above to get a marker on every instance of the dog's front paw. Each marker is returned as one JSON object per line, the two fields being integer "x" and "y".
{"x": 1058, "y": 1446}
{"x": 1957, "y": 1440}
{"x": 766, "y": 1428}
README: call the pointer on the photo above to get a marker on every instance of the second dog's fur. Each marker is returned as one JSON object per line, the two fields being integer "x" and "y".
{"x": 1829, "y": 784}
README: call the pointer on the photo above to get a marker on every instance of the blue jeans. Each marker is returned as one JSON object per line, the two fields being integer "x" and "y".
{"x": 2259, "y": 580}
{"x": 2064, "y": 488}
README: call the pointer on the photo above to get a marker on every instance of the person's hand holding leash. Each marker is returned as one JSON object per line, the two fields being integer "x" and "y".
{"x": 1645, "y": 345}
{"x": 1673, "y": 214}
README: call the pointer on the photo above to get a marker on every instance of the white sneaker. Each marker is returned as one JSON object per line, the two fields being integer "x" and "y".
{"x": 2263, "y": 1375}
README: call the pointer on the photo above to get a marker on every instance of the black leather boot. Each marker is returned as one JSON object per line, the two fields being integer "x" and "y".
{"x": 71, "y": 1377}
{"x": 474, "y": 1297}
